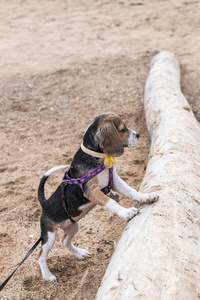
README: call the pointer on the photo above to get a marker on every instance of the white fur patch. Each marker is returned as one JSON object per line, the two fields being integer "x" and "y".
{"x": 46, "y": 274}
{"x": 103, "y": 178}
{"x": 116, "y": 209}
{"x": 132, "y": 139}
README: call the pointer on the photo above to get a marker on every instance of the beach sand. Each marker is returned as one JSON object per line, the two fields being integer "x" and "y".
{"x": 62, "y": 63}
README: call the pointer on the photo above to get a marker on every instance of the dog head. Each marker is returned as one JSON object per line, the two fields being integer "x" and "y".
{"x": 109, "y": 134}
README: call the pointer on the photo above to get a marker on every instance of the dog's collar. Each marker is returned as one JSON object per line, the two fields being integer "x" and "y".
{"x": 92, "y": 153}
{"x": 109, "y": 161}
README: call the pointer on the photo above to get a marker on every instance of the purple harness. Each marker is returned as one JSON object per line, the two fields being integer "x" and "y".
{"x": 82, "y": 180}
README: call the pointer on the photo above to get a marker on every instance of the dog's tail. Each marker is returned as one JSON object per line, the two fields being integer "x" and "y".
{"x": 41, "y": 195}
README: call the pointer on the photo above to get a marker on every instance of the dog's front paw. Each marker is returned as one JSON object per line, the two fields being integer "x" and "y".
{"x": 128, "y": 213}
{"x": 150, "y": 198}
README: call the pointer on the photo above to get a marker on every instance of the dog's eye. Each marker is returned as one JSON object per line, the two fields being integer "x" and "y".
{"x": 123, "y": 130}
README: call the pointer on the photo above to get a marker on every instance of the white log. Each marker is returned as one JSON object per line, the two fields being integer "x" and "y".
{"x": 158, "y": 254}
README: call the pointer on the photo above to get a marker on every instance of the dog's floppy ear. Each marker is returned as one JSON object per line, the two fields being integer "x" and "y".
{"x": 109, "y": 140}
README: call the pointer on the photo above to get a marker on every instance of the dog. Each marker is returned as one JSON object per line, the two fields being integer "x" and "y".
{"x": 104, "y": 139}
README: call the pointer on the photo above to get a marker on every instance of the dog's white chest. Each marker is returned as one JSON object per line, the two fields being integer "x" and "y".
{"x": 103, "y": 178}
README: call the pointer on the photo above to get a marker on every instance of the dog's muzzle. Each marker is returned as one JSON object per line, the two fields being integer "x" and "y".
{"x": 132, "y": 138}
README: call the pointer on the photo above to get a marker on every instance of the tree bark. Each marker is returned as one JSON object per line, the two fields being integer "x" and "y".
{"x": 158, "y": 254}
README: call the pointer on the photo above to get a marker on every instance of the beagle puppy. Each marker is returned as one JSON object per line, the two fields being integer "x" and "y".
{"x": 107, "y": 135}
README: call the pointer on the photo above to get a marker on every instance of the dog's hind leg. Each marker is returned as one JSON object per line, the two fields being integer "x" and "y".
{"x": 51, "y": 237}
{"x": 66, "y": 241}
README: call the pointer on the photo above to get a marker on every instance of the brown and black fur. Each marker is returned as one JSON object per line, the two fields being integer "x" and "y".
{"x": 107, "y": 135}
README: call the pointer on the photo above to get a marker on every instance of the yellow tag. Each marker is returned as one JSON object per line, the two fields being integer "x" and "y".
{"x": 109, "y": 161}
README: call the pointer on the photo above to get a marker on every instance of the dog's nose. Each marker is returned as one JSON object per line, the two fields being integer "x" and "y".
{"x": 137, "y": 135}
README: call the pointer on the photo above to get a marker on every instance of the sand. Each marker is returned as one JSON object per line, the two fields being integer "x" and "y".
{"x": 61, "y": 64}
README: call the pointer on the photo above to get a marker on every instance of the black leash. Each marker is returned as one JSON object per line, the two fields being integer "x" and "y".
{"x": 27, "y": 255}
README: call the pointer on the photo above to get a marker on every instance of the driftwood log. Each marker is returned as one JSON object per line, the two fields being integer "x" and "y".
{"x": 158, "y": 254}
